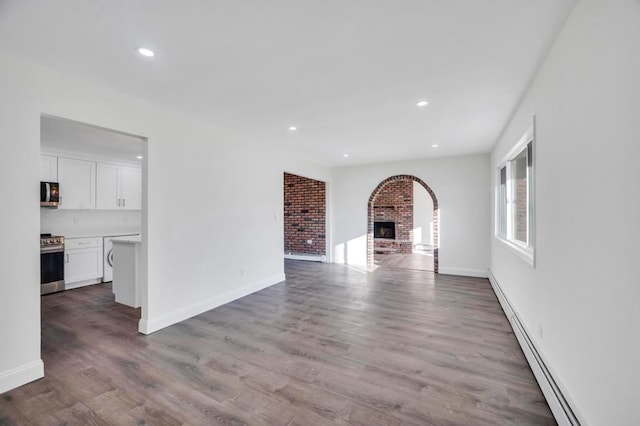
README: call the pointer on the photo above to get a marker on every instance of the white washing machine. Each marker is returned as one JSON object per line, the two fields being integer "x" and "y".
{"x": 107, "y": 250}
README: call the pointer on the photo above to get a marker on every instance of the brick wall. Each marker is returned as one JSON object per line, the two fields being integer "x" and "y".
{"x": 521, "y": 209}
{"x": 394, "y": 203}
{"x": 304, "y": 215}
{"x": 520, "y": 204}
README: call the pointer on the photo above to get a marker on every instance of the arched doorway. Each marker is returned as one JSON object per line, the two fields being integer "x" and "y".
{"x": 371, "y": 216}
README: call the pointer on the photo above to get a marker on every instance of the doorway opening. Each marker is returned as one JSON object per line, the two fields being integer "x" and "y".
{"x": 98, "y": 175}
{"x": 305, "y": 213}
{"x": 403, "y": 224}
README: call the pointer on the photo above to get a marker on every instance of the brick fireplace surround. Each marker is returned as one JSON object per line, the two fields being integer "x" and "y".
{"x": 394, "y": 203}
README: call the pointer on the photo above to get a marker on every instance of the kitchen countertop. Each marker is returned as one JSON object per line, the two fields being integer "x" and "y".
{"x": 134, "y": 239}
{"x": 101, "y": 235}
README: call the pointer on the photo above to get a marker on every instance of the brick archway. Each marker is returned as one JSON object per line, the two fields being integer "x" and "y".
{"x": 370, "y": 217}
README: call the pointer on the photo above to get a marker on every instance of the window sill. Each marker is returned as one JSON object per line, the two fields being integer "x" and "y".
{"x": 525, "y": 253}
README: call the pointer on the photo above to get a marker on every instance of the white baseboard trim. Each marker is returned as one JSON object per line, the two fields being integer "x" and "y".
{"x": 310, "y": 257}
{"x": 148, "y": 326}
{"x": 562, "y": 411}
{"x": 84, "y": 283}
{"x": 463, "y": 272}
{"x": 21, "y": 375}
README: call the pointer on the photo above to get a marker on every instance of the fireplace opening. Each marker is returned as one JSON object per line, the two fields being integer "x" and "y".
{"x": 384, "y": 230}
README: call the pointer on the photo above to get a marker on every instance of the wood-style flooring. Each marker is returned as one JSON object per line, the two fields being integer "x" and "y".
{"x": 419, "y": 261}
{"x": 331, "y": 345}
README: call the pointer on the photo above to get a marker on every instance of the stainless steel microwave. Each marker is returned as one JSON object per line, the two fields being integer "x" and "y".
{"x": 49, "y": 194}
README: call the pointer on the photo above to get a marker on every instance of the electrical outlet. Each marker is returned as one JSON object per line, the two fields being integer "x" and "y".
{"x": 76, "y": 221}
{"x": 243, "y": 272}
{"x": 540, "y": 330}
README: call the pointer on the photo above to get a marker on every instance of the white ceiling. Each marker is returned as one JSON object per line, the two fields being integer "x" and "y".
{"x": 347, "y": 73}
{"x": 66, "y": 136}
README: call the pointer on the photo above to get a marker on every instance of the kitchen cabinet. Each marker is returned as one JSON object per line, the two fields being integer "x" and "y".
{"x": 82, "y": 262}
{"x": 127, "y": 270}
{"x": 48, "y": 168}
{"x": 131, "y": 188}
{"x": 77, "y": 180}
{"x": 119, "y": 187}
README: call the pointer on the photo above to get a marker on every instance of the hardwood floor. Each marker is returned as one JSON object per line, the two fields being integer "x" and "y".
{"x": 332, "y": 345}
{"x": 419, "y": 261}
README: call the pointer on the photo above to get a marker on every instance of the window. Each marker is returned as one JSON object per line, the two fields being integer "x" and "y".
{"x": 514, "y": 198}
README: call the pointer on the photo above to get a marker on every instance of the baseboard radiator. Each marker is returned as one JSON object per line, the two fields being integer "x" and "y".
{"x": 557, "y": 402}
{"x": 304, "y": 256}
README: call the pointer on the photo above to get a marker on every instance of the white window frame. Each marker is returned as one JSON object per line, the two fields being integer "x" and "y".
{"x": 526, "y": 251}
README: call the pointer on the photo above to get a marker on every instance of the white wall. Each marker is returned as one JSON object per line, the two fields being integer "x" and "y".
{"x": 213, "y": 229}
{"x": 74, "y": 223}
{"x": 584, "y": 291}
{"x": 460, "y": 184}
{"x": 422, "y": 215}
{"x": 20, "y": 253}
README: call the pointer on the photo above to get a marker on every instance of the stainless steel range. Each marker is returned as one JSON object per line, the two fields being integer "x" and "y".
{"x": 51, "y": 263}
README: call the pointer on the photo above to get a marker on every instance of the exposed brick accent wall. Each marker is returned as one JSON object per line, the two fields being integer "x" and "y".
{"x": 520, "y": 204}
{"x": 370, "y": 218}
{"x": 304, "y": 215}
{"x": 394, "y": 203}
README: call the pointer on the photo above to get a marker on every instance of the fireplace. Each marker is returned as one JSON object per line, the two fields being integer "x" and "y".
{"x": 384, "y": 230}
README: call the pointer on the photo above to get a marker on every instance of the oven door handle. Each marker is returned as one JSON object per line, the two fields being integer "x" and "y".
{"x": 53, "y": 249}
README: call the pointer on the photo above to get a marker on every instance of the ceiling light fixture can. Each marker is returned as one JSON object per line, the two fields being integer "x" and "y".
{"x": 422, "y": 103}
{"x": 435, "y": 145}
{"x": 345, "y": 155}
{"x": 139, "y": 157}
{"x": 293, "y": 128}
{"x": 145, "y": 52}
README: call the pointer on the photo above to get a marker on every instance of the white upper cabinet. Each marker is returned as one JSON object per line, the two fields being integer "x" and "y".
{"x": 48, "y": 168}
{"x": 131, "y": 188}
{"x": 119, "y": 187}
{"x": 108, "y": 186}
{"x": 77, "y": 180}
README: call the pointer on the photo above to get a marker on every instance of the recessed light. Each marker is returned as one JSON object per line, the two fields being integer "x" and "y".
{"x": 293, "y": 128}
{"x": 345, "y": 155}
{"x": 145, "y": 52}
{"x": 139, "y": 157}
{"x": 422, "y": 103}
{"x": 435, "y": 145}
